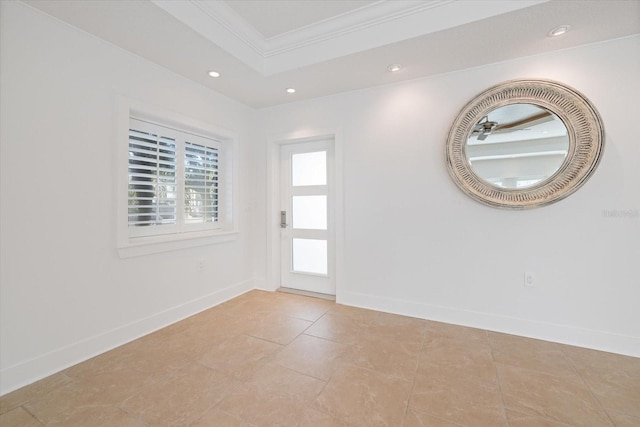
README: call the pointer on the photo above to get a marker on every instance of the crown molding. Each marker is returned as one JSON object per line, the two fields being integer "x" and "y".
{"x": 353, "y": 21}
{"x": 380, "y": 23}
{"x": 220, "y": 12}
{"x": 218, "y": 23}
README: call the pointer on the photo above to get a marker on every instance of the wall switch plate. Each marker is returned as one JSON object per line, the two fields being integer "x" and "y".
{"x": 529, "y": 279}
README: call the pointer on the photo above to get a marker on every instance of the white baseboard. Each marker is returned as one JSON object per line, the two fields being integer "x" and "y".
{"x": 32, "y": 370}
{"x": 571, "y": 335}
{"x": 261, "y": 283}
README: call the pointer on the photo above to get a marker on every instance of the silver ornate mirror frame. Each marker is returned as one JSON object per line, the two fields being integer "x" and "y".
{"x": 584, "y": 128}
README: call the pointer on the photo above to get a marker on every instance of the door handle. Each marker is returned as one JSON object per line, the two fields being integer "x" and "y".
{"x": 283, "y": 219}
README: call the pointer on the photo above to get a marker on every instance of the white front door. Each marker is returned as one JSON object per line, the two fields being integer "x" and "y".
{"x": 307, "y": 243}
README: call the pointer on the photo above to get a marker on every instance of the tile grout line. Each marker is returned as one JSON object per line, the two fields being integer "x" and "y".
{"x": 24, "y": 404}
{"x": 308, "y": 405}
{"x": 30, "y": 413}
{"x": 583, "y": 382}
{"x": 231, "y": 390}
{"x": 528, "y": 369}
{"x": 284, "y": 346}
{"x": 302, "y": 318}
{"x": 495, "y": 369}
{"x": 541, "y": 417}
{"x": 550, "y": 374}
{"x": 129, "y": 414}
{"x": 588, "y": 387}
{"x": 415, "y": 373}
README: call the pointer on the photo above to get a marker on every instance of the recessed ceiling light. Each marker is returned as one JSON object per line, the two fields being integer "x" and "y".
{"x": 291, "y": 90}
{"x": 214, "y": 74}
{"x": 394, "y": 67}
{"x": 559, "y": 30}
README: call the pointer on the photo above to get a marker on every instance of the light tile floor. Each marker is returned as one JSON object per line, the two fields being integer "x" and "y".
{"x": 276, "y": 359}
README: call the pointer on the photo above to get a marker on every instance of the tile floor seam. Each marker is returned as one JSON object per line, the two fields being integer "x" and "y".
{"x": 625, "y": 414}
{"x": 581, "y": 381}
{"x": 322, "y": 338}
{"x": 270, "y": 341}
{"x": 533, "y": 371}
{"x": 586, "y": 384}
{"x": 495, "y": 369}
{"x": 141, "y": 421}
{"x": 302, "y": 373}
{"x": 271, "y": 357}
{"x": 231, "y": 377}
{"x": 213, "y": 405}
{"x": 570, "y": 360}
{"x": 542, "y": 417}
{"x": 302, "y": 318}
{"x": 441, "y": 419}
{"x": 413, "y": 379}
{"x": 308, "y": 406}
{"x": 30, "y": 413}
{"x": 129, "y": 413}
{"x": 374, "y": 371}
{"x": 26, "y": 401}
{"x": 277, "y": 311}
{"x": 311, "y": 323}
{"x": 224, "y": 412}
{"x": 254, "y": 337}
{"x": 346, "y": 363}
{"x": 219, "y": 402}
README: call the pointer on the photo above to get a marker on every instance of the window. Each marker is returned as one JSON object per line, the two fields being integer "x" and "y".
{"x": 175, "y": 182}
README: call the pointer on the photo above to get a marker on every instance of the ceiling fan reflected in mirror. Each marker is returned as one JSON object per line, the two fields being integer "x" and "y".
{"x": 486, "y": 127}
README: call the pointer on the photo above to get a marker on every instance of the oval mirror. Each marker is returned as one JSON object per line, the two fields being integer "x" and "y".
{"x": 524, "y": 144}
{"x": 517, "y": 146}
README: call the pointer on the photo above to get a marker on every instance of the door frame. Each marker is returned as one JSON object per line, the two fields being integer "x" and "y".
{"x": 272, "y": 279}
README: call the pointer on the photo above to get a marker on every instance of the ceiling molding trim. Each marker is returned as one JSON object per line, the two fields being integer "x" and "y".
{"x": 381, "y": 23}
{"x": 220, "y": 12}
{"x": 374, "y": 14}
{"x": 220, "y": 24}
{"x": 412, "y": 21}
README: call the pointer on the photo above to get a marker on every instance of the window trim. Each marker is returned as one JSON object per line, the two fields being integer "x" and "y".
{"x": 128, "y": 246}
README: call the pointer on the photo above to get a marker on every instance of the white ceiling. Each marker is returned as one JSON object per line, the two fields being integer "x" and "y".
{"x": 323, "y": 47}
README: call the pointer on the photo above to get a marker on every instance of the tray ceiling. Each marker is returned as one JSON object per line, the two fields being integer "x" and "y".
{"x": 327, "y": 47}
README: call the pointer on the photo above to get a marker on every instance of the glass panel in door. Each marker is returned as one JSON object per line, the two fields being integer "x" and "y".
{"x": 309, "y": 212}
{"x": 310, "y": 256}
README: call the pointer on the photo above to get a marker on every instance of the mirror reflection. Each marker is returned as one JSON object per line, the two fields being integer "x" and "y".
{"x": 517, "y": 146}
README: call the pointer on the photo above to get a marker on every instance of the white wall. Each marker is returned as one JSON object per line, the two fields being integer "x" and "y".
{"x": 415, "y": 244}
{"x": 65, "y": 293}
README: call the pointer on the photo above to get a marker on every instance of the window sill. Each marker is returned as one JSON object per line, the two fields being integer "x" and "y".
{"x": 140, "y": 246}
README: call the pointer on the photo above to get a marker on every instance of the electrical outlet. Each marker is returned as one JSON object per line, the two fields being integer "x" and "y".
{"x": 200, "y": 266}
{"x": 529, "y": 279}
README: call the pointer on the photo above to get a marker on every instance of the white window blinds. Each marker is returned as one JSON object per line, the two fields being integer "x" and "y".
{"x": 152, "y": 179}
{"x": 201, "y": 183}
{"x": 165, "y": 194}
